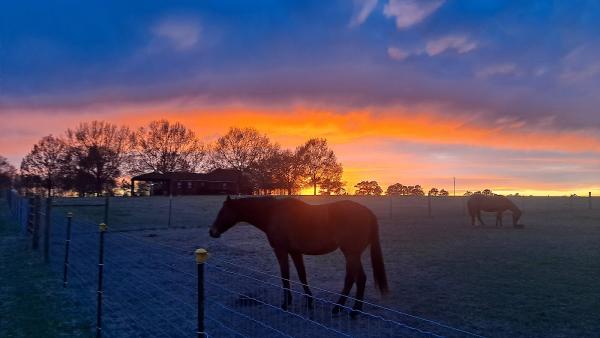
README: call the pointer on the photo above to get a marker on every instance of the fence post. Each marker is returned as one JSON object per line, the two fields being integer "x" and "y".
{"x": 22, "y": 223}
{"x": 30, "y": 214}
{"x": 35, "y": 239}
{"x": 429, "y": 205}
{"x": 47, "y": 227}
{"x": 67, "y": 245}
{"x": 106, "y": 199}
{"x": 170, "y": 210}
{"x": 102, "y": 227}
{"x": 590, "y": 200}
{"x": 201, "y": 256}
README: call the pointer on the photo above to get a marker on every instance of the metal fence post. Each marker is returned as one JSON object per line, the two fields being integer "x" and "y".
{"x": 590, "y": 200}
{"x": 106, "y": 199}
{"x": 67, "y": 245}
{"x": 47, "y": 226}
{"x": 35, "y": 239}
{"x": 102, "y": 228}
{"x": 30, "y": 214}
{"x": 429, "y": 205}
{"x": 170, "y": 210}
{"x": 201, "y": 256}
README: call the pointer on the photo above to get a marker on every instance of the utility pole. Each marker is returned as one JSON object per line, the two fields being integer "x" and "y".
{"x": 454, "y": 178}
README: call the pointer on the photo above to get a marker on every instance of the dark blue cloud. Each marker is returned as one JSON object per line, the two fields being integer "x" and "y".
{"x": 69, "y": 53}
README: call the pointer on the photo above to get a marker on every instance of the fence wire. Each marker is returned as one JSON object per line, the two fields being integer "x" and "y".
{"x": 150, "y": 290}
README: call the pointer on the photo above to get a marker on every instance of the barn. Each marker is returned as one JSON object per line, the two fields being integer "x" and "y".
{"x": 216, "y": 182}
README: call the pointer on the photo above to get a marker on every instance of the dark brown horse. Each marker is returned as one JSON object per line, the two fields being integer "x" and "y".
{"x": 498, "y": 204}
{"x": 295, "y": 228}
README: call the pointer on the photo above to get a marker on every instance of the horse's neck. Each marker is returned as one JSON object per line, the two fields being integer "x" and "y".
{"x": 255, "y": 213}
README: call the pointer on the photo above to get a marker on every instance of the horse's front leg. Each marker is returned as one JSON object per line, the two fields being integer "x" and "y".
{"x": 479, "y": 218}
{"x": 284, "y": 266}
{"x": 299, "y": 263}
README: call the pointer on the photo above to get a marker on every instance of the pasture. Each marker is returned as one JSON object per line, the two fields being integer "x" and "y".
{"x": 497, "y": 282}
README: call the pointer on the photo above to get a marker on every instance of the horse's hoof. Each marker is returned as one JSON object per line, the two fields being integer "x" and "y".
{"x": 336, "y": 309}
{"x": 284, "y": 306}
{"x": 354, "y": 314}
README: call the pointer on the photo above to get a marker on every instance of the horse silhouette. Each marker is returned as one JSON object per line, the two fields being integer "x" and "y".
{"x": 497, "y": 204}
{"x": 295, "y": 228}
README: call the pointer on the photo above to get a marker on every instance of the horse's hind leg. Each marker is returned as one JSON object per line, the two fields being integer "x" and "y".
{"x": 361, "y": 280}
{"x": 299, "y": 263}
{"x": 348, "y": 281}
{"x": 284, "y": 266}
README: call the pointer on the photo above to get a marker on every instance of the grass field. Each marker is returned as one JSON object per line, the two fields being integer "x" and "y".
{"x": 32, "y": 300}
{"x": 540, "y": 281}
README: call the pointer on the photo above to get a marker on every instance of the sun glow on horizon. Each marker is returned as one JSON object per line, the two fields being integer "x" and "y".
{"x": 388, "y": 146}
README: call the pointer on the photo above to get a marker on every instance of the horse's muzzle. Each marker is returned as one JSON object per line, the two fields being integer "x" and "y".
{"x": 214, "y": 233}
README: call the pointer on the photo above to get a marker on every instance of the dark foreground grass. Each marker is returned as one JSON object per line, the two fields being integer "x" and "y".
{"x": 32, "y": 301}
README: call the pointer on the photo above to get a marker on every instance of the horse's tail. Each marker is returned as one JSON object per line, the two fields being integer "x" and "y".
{"x": 377, "y": 261}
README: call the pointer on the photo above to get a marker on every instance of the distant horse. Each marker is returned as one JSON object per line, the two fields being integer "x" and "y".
{"x": 295, "y": 228}
{"x": 497, "y": 204}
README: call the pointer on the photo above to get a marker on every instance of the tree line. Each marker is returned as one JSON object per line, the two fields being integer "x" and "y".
{"x": 372, "y": 188}
{"x": 94, "y": 157}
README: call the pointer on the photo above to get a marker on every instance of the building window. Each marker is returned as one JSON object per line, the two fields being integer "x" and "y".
{"x": 189, "y": 185}
{"x": 178, "y": 185}
{"x": 224, "y": 185}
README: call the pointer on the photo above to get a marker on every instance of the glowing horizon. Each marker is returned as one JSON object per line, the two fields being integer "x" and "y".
{"x": 365, "y": 152}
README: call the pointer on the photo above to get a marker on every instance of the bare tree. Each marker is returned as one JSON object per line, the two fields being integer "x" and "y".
{"x": 99, "y": 150}
{"x": 7, "y": 173}
{"x": 289, "y": 171}
{"x": 318, "y": 161}
{"x": 45, "y": 163}
{"x": 264, "y": 174}
{"x": 242, "y": 150}
{"x": 163, "y": 147}
{"x": 332, "y": 183}
{"x": 368, "y": 188}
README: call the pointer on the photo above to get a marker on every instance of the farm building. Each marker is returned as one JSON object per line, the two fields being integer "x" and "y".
{"x": 216, "y": 182}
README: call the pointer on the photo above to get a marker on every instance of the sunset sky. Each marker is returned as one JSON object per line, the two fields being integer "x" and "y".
{"x": 499, "y": 94}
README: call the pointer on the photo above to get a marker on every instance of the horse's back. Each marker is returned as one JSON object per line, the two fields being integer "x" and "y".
{"x": 488, "y": 203}
{"x": 341, "y": 223}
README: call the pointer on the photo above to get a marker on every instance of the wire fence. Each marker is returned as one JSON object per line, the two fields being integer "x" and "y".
{"x": 151, "y": 289}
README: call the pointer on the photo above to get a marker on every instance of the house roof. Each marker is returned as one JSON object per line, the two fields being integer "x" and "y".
{"x": 217, "y": 175}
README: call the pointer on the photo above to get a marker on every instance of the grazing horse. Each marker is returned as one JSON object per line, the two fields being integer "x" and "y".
{"x": 497, "y": 204}
{"x": 295, "y": 228}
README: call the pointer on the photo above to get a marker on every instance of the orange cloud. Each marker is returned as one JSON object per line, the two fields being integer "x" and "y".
{"x": 359, "y": 137}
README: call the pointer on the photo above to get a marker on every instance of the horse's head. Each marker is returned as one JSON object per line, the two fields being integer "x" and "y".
{"x": 226, "y": 218}
{"x": 516, "y": 213}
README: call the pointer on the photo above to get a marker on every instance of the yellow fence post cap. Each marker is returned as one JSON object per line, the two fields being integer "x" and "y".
{"x": 201, "y": 255}
{"x": 103, "y": 227}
